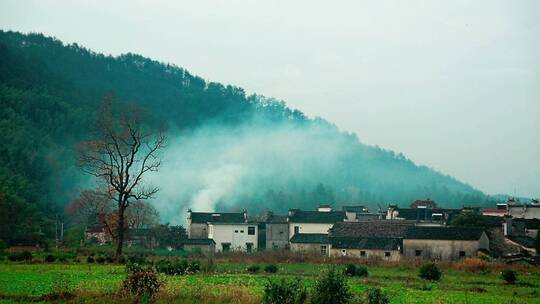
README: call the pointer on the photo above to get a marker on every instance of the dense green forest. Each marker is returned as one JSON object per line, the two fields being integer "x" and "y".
{"x": 49, "y": 95}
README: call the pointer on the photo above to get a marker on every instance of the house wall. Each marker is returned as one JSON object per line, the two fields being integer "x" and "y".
{"x": 527, "y": 212}
{"x": 395, "y": 255}
{"x": 277, "y": 235}
{"x": 309, "y": 228}
{"x": 198, "y": 231}
{"x": 309, "y": 248}
{"x": 531, "y": 232}
{"x": 207, "y": 250}
{"x": 440, "y": 249}
{"x": 225, "y": 233}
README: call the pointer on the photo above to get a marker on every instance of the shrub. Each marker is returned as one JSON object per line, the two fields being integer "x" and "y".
{"x": 90, "y": 259}
{"x": 135, "y": 267}
{"x": 100, "y": 260}
{"x": 430, "y": 272}
{"x": 143, "y": 284}
{"x": 3, "y": 245}
{"x": 361, "y": 271}
{"x": 284, "y": 291}
{"x": 509, "y": 276}
{"x": 121, "y": 259}
{"x": 350, "y": 270}
{"x": 20, "y": 256}
{"x": 271, "y": 268}
{"x": 377, "y": 296}
{"x": 61, "y": 287}
{"x": 253, "y": 268}
{"x": 50, "y": 258}
{"x": 331, "y": 288}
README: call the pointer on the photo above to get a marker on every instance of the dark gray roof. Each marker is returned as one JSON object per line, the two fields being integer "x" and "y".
{"x": 199, "y": 242}
{"x": 310, "y": 238}
{"x": 376, "y": 229}
{"x": 425, "y": 214}
{"x": 317, "y": 217}
{"x": 354, "y": 208}
{"x": 217, "y": 217}
{"x": 444, "y": 233}
{"x": 276, "y": 219}
{"x": 366, "y": 243}
{"x": 528, "y": 223}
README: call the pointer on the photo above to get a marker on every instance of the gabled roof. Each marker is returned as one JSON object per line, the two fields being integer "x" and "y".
{"x": 276, "y": 219}
{"x": 425, "y": 214}
{"x": 329, "y": 217}
{"x": 199, "y": 242}
{"x": 369, "y": 229}
{"x": 444, "y": 233}
{"x": 310, "y": 238}
{"x": 217, "y": 217}
{"x": 371, "y": 243}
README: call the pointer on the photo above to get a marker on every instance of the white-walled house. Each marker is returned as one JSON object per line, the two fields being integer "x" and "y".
{"x": 233, "y": 236}
{"x": 313, "y": 222}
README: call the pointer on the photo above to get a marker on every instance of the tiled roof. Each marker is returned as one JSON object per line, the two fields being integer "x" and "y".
{"x": 494, "y": 210}
{"x": 528, "y": 223}
{"x": 199, "y": 242}
{"x": 444, "y": 233}
{"x": 425, "y": 214}
{"x": 310, "y": 238}
{"x": 276, "y": 219}
{"x": 366, "y": 243}
{"x": 376, "y": 229}
{"x": 317, "y": 217}
{"x": 217, "y": 217}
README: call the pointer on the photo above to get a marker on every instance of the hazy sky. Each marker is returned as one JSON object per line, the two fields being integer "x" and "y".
{"x": 454, "y": 85}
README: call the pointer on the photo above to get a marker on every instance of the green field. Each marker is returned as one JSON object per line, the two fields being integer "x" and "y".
{"x": 231, "y": 283}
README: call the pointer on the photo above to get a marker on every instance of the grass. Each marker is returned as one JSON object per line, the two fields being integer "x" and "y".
{"x": 232, "y": 283}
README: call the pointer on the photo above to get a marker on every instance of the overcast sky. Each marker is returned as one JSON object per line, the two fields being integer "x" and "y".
{"x": 454, "y": 85}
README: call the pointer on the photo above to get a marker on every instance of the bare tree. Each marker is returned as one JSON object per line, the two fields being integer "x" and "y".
{"x": 123, "y": 153}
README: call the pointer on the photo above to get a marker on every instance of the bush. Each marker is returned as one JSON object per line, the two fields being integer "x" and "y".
{"x": 122, "y": 259}
{"x": 50, "y": 258}
{"x": 143, "y": 284}
{"x": 361, "y": 271}
{"x": 331, "y": 288}
{"x": 509, "y": 276}
{"x": 20, "y": 256}
{"x": 284, "y": 291}
{"x": 350, "y": 270}
{"x": 377, "y": 296}
{"x": 100, "y": 260}
{"x": 271, "y": 268}
{"x": 90, "y": 260}
{"x": 430, "y": 272}
{"x": 253, "y": 268}
{"x": 3, "y": 245}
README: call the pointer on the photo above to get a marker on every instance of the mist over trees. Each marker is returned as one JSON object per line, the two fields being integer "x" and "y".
{"x": 227, "y": 150}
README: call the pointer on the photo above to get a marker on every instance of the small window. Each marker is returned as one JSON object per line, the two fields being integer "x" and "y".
{"x": 362, "y": 253}
{"x": 418, "y": 252}
{"x": 249, "y": 247}
{"x": 296, "y": 229}
{"x": 281, "y": 232}
{"x": 387, "y": 253}
{"x": 251, "y": 230}
{"x": 343, "y": 252}
{"x": 241, "y": 231}
{"x": 461, "y": 254}
{"x": 236, "y": 231}
{"x": 226, "y": 247}
{"x": 323, "y": 250}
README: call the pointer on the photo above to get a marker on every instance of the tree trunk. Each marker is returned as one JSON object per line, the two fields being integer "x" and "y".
{"x": 120, "y": 232}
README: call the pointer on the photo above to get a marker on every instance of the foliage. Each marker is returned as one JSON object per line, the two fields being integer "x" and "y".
{"x": 430, "y": 272}
{"x": 3, "y": 245}
{"x": 377, "y": 296}
{"x": 50, "y": 258}
{"x": 509, "y": 276}
{"x": 537, "y": 244}
{"x": 90, "y": 259}
{"x": 253, "y": 268}
{"x": 143, "y": 284}
{"x": 331, "y": 288}
{"x": 177, "y": 267}
{"x": 20, "y": 256}
{"x": 284, "y": 291}
{"x": 169, "y": 236}
{"x": 271, "y": 268}
{"x": 353, "y": 270}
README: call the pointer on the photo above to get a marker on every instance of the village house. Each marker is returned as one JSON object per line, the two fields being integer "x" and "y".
{"x": 359, "y": 214}
{"x": 526, "y": 211}
{"x": 368, "y": 240}
{"x": 276, "y": 232}
{"x": 206, "y": 247}
{"x": 444, "y": 243}
{"x": 97, "y": 234}
{"x": 198, "y": 222}
{"x": 501, "y": 210}
{"x": 310, "y": 243}
{"x": 319, "y": 222}
{"x": 423, "y": 214}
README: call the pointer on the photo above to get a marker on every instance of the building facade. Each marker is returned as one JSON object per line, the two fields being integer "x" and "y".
{"x": 233, "y": 236}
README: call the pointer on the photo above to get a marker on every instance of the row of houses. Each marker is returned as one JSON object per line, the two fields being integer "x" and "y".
{"x": 352, "y": 231}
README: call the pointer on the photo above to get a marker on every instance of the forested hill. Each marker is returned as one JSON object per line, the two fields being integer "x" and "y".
{"x": 49, "y": 94}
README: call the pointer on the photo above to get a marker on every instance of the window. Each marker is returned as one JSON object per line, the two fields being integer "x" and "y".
{"x": 226, "y": 247}
{"x": 343, "y": 252}
{"x": 461, "y": 254}
{"x": 241, "y": 231}
{"x": 236, "y": 231}
{"x": 251, "y": 230}
{"x": 296, "y": 229}
{"x": 249, "y": 247}
{"x": 387, "y": 253}
{"x": 362, "y": 253}
{"x": 323, "y": 250}
{"x": 418, "y": 252}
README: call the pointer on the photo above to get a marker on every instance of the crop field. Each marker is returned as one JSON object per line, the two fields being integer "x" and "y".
{"x": 232, "y": 283}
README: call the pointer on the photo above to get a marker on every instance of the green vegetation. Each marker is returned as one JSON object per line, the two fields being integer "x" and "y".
{"x": 284, "y": 291}
{"x": 232, "y": 283}
{"x": 509, "y": 276}
{"x": 430, "y": 272}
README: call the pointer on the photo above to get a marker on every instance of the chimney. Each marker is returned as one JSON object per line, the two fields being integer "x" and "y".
{"x": 244, "y": 211}
{"x": 189, "y": 214}
{"x": 292, "y": 211}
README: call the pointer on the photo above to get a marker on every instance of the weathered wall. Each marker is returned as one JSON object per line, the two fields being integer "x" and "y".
{"x": 527, "y": 212}
{"x": 309, "y": 228}
{"x": 198, "y": 231}
{"x": 395, "y": 255}
{"x": 207, "y": 250}
{"x": 277, "y": 235}
{"x": 309, "y": 248}
{"x": 439, "y": 249}
{"x": 235, "y": 234}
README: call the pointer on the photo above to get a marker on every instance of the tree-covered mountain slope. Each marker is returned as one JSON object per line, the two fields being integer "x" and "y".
{"x": 226, "y": 149}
